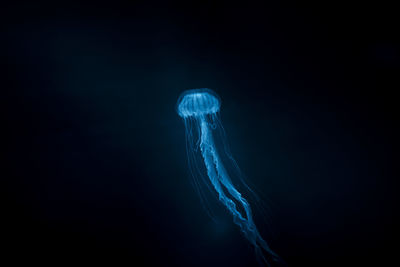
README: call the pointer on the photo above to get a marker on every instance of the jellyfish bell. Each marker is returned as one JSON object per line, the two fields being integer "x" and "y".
{"x": 197, "y": 103}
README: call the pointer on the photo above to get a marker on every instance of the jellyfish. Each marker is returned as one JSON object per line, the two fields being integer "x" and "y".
{"x": 199, "y": 109}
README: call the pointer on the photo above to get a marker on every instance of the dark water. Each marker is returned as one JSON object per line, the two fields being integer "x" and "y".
{"x": 95, "y": 167}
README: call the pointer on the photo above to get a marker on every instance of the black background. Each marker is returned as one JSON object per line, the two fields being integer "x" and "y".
{"x": 95, "y": 167}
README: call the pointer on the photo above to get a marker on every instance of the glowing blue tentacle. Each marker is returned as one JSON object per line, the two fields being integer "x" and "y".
{"x": 219, "y": 177}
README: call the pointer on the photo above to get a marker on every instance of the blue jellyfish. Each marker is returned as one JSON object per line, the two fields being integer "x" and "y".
{"x": 199, "y": 109}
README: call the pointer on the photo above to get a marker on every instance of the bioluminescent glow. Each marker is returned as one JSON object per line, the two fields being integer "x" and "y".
{"x": 199, "y": 109}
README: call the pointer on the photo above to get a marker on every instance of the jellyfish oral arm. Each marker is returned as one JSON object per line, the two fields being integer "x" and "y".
{"x": 220, "y": 181}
